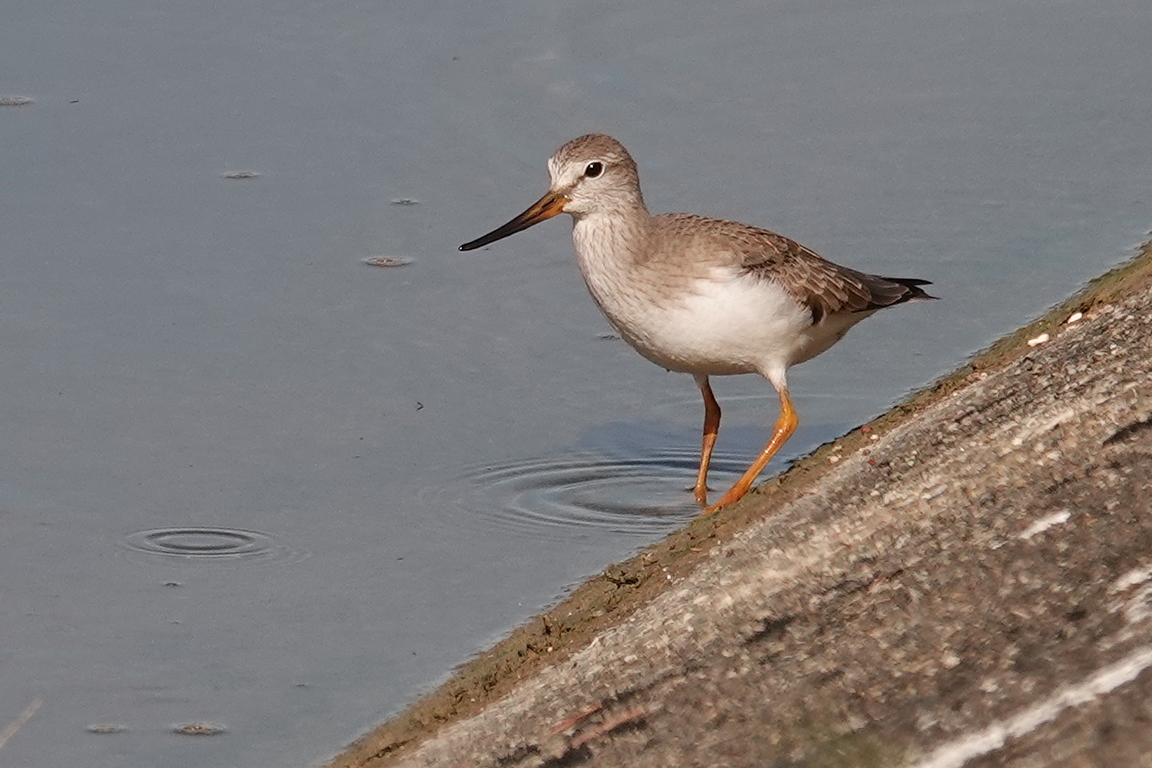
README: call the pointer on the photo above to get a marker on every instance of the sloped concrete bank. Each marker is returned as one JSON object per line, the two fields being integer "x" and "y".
{"x": 965, "y": 581}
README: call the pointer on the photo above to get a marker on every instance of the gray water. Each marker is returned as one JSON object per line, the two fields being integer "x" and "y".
{"x": 248, "y": 481}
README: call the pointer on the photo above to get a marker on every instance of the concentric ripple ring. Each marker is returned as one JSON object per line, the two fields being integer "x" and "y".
{"x": 578, "y": 497}
{"x": 206, "y": 543}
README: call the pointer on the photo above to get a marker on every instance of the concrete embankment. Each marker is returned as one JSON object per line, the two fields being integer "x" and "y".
{"x": 965, "y": 581}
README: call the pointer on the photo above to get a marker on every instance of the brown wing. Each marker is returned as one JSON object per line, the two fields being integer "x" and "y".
{"x": 825, "y": 287}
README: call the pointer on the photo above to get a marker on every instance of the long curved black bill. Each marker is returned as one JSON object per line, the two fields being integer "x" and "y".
{"x": 544, "y": 208}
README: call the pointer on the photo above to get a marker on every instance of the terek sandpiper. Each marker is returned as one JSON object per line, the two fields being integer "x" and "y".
{"x": 702, "y": 296}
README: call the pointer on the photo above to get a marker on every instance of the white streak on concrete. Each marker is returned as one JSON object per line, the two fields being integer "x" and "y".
{"x": 1044, "y": 523}
{"x": 18, "y": 723}
{"x": 1131, "y": 579}
{"x": 960, "y": 751}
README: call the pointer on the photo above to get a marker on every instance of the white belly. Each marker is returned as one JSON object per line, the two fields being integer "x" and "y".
{"x": 725, "y": 323}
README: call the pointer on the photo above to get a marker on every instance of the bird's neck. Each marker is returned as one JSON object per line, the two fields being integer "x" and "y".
{"x": 611, "y": 241}
{"x": 611, "y": 252}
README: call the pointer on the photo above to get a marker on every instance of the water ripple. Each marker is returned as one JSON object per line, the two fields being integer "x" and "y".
{"x": 206, "y": 544}
{"x": 582, "y": 496}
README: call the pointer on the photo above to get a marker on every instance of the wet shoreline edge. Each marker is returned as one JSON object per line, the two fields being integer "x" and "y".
{"x": 605, "y": 602}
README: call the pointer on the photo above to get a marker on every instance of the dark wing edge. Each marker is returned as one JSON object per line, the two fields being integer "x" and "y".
{"x": 897, "y": 289}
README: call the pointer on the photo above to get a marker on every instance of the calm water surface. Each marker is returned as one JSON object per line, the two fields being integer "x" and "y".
{"x": 248, "y": 481}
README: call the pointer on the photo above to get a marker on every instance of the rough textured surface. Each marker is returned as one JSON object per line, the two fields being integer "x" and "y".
{"x": 970, "y": 587}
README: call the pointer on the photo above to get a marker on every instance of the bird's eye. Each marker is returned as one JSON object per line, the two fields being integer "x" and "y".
{"x": 593, "y": 170}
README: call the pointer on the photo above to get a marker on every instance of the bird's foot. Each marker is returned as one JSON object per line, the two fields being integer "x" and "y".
{"x": 701, "y": 494}
{"x": 733, "y": 495}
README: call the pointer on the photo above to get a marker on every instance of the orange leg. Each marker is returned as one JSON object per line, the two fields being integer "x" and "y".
{"x": 785, "y": 426}
{"x": 711, "y": 429}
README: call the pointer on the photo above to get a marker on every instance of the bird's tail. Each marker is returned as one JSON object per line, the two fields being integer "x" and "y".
{"x": 914, "y": 292}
